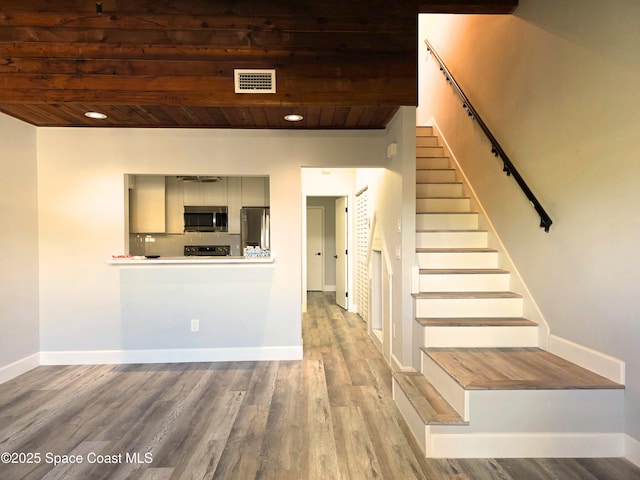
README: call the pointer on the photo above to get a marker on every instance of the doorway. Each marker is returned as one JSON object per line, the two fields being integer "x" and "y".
{"x": 327, "y": 232}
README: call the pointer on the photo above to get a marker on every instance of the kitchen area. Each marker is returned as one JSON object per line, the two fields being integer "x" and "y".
{"x": 196, "y": 217}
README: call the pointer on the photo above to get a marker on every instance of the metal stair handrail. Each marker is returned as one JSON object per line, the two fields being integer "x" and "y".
{"x": 496, "y": 148}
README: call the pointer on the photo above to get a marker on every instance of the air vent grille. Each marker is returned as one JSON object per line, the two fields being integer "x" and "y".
{"x": 255, "y": 81}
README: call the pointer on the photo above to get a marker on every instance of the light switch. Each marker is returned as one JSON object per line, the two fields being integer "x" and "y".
{"x": 399, "y": 225}
{"x": 398, "y": 252}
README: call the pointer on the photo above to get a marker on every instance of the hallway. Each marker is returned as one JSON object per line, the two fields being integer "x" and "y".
{"x": 329, "y": 416}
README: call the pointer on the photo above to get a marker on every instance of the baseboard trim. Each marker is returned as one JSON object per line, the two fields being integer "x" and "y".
{"x": 632, "y": 449}
{"x": 171, "y": 355}
{"x": 17, "y": 368}
{"x": 397, "y": 366}
{"x": 530, "y": 445}
{"x": 598, "y": 362}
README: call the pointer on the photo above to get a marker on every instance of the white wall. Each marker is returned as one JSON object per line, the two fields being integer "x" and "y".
{"x": 87, "y": 305}
{"x": 19, "y": 338}
{"x": 392, "y": 197}
{"x": 558, "y": 85}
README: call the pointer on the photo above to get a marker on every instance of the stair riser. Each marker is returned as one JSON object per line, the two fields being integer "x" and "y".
{"x": 436, "y": 176}
{"x": 433, "y": 162}
{"x": 452, "y": 239}
{"x": 444, "y": 221}
{"x": 457, "y": 260}
{"x": 439, "y": 190}
{"x": 479, "y": 337}
{"x": 443, "y": 205}
{"x": 468, "y": 307}
{"x": 564, "y": 411}
{"x": 429, "y": 152}
{"x": 476, "y": 282}
{"x": 424, "y": 131}
{"x": 427, "y": 141}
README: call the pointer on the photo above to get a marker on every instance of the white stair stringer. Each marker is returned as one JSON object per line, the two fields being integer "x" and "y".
{"x": 465, "y": 303}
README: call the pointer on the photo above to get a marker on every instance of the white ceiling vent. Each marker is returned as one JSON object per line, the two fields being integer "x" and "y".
{"x": 255, "y": 81}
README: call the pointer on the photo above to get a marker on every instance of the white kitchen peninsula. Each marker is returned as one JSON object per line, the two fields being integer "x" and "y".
{"x": 227, "y": 260}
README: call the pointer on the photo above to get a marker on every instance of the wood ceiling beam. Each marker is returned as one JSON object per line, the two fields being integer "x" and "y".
{"x": 215, "y": 97}
{"x": 75, "y": 20}
{"x": 468, "y": 6}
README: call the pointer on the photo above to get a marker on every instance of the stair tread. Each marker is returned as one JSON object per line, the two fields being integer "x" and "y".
{"x": 440, "y": 197}
{"x": 514, "y": 369}
{"x": 463, "y": 271}
{"x": 476, "y": 322}
{"x": 421, "y": 169}
{"x": 451, "y": 230}
{"x": 455, "y": 250}
{"x": 430, "y": 406}
{"x": 438, "y": 183}
{"x": 455, "y": 295}
{"x": 447, "y": 213}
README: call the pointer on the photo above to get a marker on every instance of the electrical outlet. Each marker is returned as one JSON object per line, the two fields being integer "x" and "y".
{"x": 195, "y": 325}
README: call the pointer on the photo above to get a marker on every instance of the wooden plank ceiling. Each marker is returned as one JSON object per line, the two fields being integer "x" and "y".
{"x": 160, "y": 63}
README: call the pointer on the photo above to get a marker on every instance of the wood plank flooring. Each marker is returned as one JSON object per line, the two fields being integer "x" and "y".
{"x": 329, "y": 416}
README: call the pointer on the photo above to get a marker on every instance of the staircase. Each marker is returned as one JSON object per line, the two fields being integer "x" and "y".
{"x": 484, "y": 388}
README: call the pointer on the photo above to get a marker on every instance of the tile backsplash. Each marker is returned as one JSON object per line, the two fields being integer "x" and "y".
{"x": 172, "y": 245}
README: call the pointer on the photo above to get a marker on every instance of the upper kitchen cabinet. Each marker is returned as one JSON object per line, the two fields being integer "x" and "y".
{"x": 147, "y": 204}
{"x": 255, "y": 191}
{"x": 208, "y": 190}
{"x": 174, "y": 210}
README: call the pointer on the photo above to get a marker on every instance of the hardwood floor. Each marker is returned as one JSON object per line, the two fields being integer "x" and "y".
{"x": 329, "y": 416}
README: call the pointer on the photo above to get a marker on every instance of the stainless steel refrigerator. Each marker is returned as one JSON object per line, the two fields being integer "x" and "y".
{"x": 255, "y": 229}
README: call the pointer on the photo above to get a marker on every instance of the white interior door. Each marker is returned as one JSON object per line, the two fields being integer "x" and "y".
{"x": 341, "y": 252}
{"x": 315, "y": 248}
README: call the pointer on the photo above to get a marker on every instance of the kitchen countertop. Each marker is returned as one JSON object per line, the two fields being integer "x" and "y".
{"x": 193, "y": 260}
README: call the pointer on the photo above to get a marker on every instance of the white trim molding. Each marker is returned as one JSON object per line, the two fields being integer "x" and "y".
{"x": 632, "y": 450}
{"x": 19, "y": 367}
{"x": 171, "y": 355}
{"x": 531, "y": 445}
{"x": 598, "y": 362}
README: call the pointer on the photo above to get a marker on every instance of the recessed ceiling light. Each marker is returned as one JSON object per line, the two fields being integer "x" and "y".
{"x": 96, "y": 115}
{"x": 292, "y": 117}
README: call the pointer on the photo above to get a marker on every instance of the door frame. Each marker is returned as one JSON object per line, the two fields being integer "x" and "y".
{"x": 350, "y": 246}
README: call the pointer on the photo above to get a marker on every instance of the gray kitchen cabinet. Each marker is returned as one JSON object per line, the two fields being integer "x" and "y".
{"x": 147, "y": 204}
{"x": 234, "y": 189}
{"x": 255, "y": 191}
{"x": 205, "y": 193}
{"x": 174, "y": 205}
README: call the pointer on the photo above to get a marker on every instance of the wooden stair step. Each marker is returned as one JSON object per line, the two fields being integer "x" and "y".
{"x": 454, "y": 250}
{"x": 514, "y": 369}
{"x": 440, "y": 197}
{"x": 457, "y": 295}
{"x": 476, "y": 322}
{"x": 450, "y": 230}
{"x": 446, "y": 250}
{"x": 430, "y": 406}
{"x": 462, "y": 271}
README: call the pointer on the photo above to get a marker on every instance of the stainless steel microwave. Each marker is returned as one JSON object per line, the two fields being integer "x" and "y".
{"x": 206, "y": 219}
